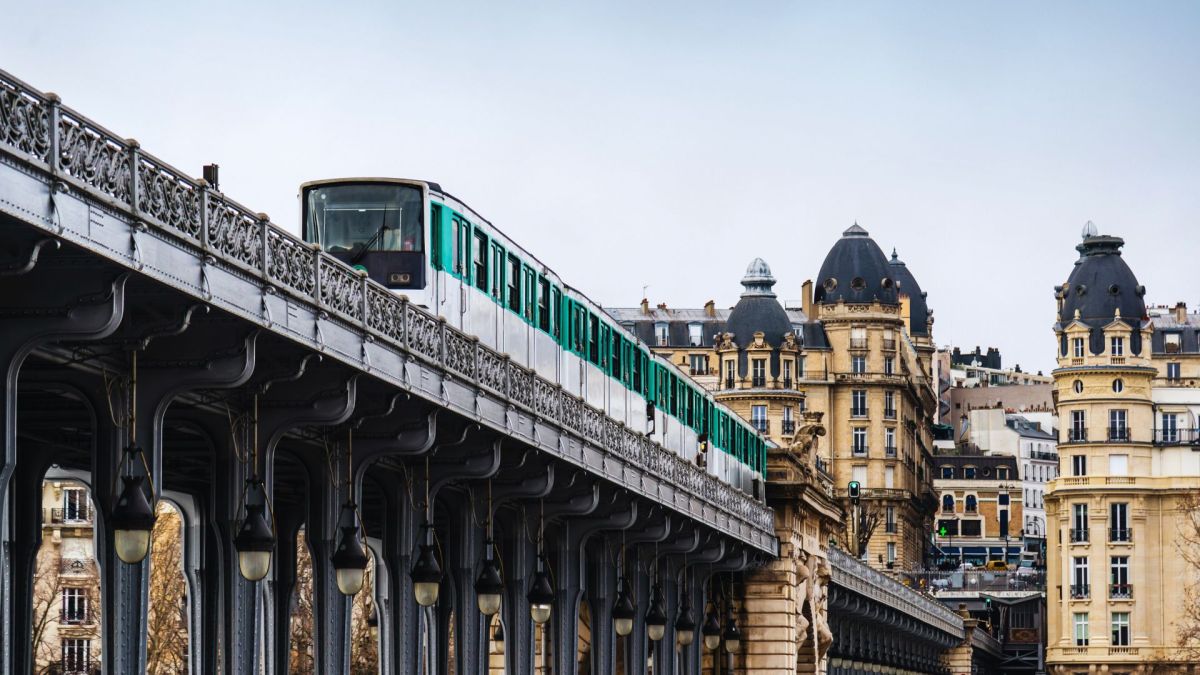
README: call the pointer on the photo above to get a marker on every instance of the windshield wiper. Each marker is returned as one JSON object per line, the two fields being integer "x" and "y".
{"x": 370, "y": 242}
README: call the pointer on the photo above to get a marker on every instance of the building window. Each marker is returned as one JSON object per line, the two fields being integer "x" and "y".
{"x": 1118, "y": 385}
{"x": 77, "y": 655}
{"x": 1077, "y": 345}
{"x": 889, "y": 520}
{"x": 758, "y": 372}
{"x": 1002, "y": 473}
{"x": 1118, "y": 522}
{"x": 858, "y": 403}
{"x": 859, "y": 473}
{"x": 972, "y": 503}
{"x": 729, "y": 375}
{"x": 758, "y": 418}
{"x": 948, "y": 503}
{"x": 859, "y": 436}
{"x": 1079, "y": 523}
{"x": 1172, "y": 342}
{"x": 1081, "y": 629}
{"x": 1117, "y": 429}
{"x": 789, "y": 421}
{"x": 969, "y": 472}
{"x": 799, "y": 367}
{"x": 699, "y": 364}
{"x": 972, "y": 528}
{"x": 1079, "y": 577}
{"x": 75, "y": 505}
{"x": 695, "y": 334}
{"x": 787, "y": 373}
{"x": 891, "y": 552}
{"x": 1078, "y": 430}
{"x": 1119, "y": 578}
{"x": 889, "y": 365}
{"x": 1002, "y": 499}
{"x": 74, "y": 606}
{"x": 947, "y": 472}
{"x": 1116, "y": 346}
{"x": 1077, "y": 385}
{"x": 1172, "y": 371}
{"x": 889, "y": 405}
{"x": 1170, "y": 428}
{"x": 858, "y": 338}
{"x": 858, "y": 364}
{"x": 889, "y": 442}
{"x": 1078, "y": 465}
{"x": 1120, "y": 629}
{"x": 889, "y": 477}
{"x": 662, "y": 334}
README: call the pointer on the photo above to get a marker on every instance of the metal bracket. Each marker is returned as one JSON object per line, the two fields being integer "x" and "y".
{"x": 18, "y": 270}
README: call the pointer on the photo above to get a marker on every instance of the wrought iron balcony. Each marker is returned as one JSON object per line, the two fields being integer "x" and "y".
{"x": 729, "y": 383}
{"x": 858, "y": 343}
{"x": 61, "y": 516}
{"x": 1079, "y": 536}
{"x": 789, "y": 427}
{"x": 858, "y": 412}
{"x": 1120, "y": 591}
{"x": 1118, "y": 434}
{"x": 1077, "y": 435}
{"x": 889, "y": 344}
{"x": 761, "y": 426}
{"x": 758, "y": 381}
{"x": 1080, "y": 591}
{"x": 889, "y": 451}
{"x": 859, "y": 451}
{"x": 84, "y": 617}
{"x": 787, "y": 383}
{"x": 1176, "y": 436}
{"x": 889, "y": 413}
{"x": 1120, "y": 535}
{"x": 77, "y": 566}
{"x": 889, "y": 528}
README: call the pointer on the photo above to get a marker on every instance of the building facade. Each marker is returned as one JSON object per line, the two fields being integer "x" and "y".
{"x": 1121, "y": 568}
{"x": 858, "y": 352}
{"x": 980, "y": 508}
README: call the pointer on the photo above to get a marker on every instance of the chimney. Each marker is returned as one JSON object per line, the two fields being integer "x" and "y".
{"x": 645, "y": 306}
{"x": 806, "y": 299}
{"x": 212, "y": 173}
{"x": 662, "y": 305}
{"x": 710, "y": 309}
{"x": 1181, "y": 312}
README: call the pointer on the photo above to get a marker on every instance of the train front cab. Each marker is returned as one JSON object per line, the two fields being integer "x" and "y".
{"x": 373, "y": 224}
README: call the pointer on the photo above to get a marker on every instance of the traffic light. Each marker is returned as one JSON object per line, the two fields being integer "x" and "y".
{"x": 854, "y": 491}
{"x": 943, "y": 531}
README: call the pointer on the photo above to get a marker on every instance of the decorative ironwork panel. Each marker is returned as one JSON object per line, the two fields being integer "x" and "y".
{"x": 460, "y": 353}
{"x": 24, "y": 120}
{"x": 341, "y": 288}
{"x": 424, "y": 335}
{"x": 234, "y": 232}
{"x": 290, "y": 261}
{"x": 385, "y": 313}
{"x": 492, "y": 367}
{"x": 93, "y": 156}
{"x": 546, "y": 398}
{"x": 520, "y": 385}
{"x": 172, "y": 199}
{"x": 572, "y": 413}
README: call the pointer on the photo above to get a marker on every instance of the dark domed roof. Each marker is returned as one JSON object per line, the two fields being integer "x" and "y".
{"x": 758, "y": 310}
{"x": 855, "y": 271}
{"x": 1100, "y": 284}
{"x": 906, "y": 284}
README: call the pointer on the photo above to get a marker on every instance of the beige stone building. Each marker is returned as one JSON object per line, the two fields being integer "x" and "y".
{"x": 981, "y": 510}
{"x": 66, "y": 593}
{"x": 1121, "y": 579}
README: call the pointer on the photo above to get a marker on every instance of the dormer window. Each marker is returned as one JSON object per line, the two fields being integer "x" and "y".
{"x": 661, "y": 334}
{"x": 1172, "y": 342}
{"x": 695, "y": 334}
{"x": 969, "y": 472}
{"x": 1077, "y": 347}
{"x": 1116, "y": 346}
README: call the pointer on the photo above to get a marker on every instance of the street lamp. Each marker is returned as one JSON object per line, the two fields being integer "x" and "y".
{"x": 685, "y": 624}
{"x": 489, "y": 586}
{"x": 711, "y": 630}
{"x": 350, "y": 557}
{"x": 733, "y": 636}
{"x": 132, "y": 516}
{"x": 541, "y": 593}
{"x": 656, "y": 618}
{"x": 623, "y": 610}
{"x": 255, "y": 540}
{"x": 426, "y": 573}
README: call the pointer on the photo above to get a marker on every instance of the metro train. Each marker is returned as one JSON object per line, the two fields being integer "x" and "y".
{"x": 417, "y": 239}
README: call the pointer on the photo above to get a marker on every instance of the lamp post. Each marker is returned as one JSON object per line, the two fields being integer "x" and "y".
{"x": 350, "y": 557}
{"x": 132, "y": 516}
{"x": 255, "y": 540}
{"x": 426, "y": 573}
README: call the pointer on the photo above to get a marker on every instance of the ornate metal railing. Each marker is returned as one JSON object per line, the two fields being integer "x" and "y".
{"x": 117, "y": 172}
{"x": 858, "y": 577}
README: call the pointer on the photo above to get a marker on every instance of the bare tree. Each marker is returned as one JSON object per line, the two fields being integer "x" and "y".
{"x": 855, "y": 540}
{"x": 166, "y": 629}
{"x": 364, "y": 649}
{"x": 301, "y": 659}
{"x": 1188, "y": 545}
{"x": 47, "y": 587}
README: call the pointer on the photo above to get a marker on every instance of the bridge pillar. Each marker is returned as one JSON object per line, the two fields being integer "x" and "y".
{"x": 601, "y": 592}
{"x": 58, "y": 311}
{"x": 466, "y": 544}
{"x": 519, "y": 559}
{"x": 399, "y": 626}
{"x": 27, "y": 538}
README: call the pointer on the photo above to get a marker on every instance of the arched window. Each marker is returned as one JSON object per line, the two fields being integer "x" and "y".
{"x": 948, "y": 503}
{"x": 972, "y": 504}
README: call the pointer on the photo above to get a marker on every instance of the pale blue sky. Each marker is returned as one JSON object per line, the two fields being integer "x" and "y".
{"x": 625, "y": 144}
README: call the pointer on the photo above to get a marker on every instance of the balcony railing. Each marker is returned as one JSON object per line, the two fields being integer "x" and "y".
{"x": 1077, "y": 435}
{"x": 789, "y": 427}
{"x": 729, "y": 383}
{"x": 758, "y": 381}
{"x": 858, "y": 343}
{"x": 889, "y": 528}
{"x": 787, "y": 383}
{"x": 1118, "y": 434}
{"x": 1117, "y": 535}
{"x": 889, "y": 344}
{"x": 61, "y": 516}
{"x": 889, "y": 452}
{"x": 858, "y": 412}
{"x": 1176, "y": 436}
{"x": 85, "y": 617}
{"x": 1120, "y": 591}
{"x": 979, "y": 580}
{"x": 1038, "y": 454}
{"x": 1080, "y": 591}
{"x": 1078, "y": 536}
{"x": 889, "y": 413}
{"x": 859, "y": 451}
{"x": 77, "y": 566}
{"x": 761, "y": 426}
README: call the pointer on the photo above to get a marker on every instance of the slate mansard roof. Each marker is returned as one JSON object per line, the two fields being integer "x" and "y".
{"x": 855, "y": 270}
{"x": 1100, "y": 286}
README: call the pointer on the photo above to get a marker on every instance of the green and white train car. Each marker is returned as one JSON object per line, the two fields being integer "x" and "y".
{"x": 414, "y": 237}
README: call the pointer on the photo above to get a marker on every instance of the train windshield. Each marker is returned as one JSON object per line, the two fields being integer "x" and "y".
{"x": 361, "y": 217}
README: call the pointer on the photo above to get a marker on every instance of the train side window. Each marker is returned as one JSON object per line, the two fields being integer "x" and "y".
{"x": 436, "y": 238}
{"x": 593, "y": 339}
{"x": 514, "y": 283}
{"x": 480, "y": 253}
{"x": 531, "y": 289}
{"x": 616, "y": 358}
{"x": 460, "y": 245}
{"x": 498, "y": 272}
{"x": 556, "y": 314}
{"x": 543, "y": 304}
{"x": 637, "y": 372}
